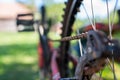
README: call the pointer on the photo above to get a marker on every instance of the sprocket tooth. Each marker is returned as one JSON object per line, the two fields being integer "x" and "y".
{"x": 78, "y": 10}
{"x": 63, "y": 16}
{"x": 65, "y": 3}
{"x": 64, "y": 9}
{"x": 61, "y": 22}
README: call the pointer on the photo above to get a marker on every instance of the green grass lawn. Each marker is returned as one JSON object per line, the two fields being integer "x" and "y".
{"x": 19, "y": 59}
{"x": 18, "y": 56}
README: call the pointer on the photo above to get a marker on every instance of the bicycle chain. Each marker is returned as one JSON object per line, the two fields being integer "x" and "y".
{"x": 69, "y": 38}
{"x": 80, "y": 36}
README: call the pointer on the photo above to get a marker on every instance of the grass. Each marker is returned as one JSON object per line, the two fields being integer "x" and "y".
{"x": 18, "y": 56}
{"x": 108, "y": 75}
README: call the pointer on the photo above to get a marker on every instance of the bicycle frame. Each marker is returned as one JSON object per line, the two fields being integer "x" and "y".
{"x": 48, "y": 55}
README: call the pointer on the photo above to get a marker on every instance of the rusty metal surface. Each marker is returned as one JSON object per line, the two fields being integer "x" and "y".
{"x": 99, "y": 48}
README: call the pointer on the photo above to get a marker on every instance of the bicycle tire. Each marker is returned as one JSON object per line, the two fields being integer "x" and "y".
{"x": 68, "y": 20}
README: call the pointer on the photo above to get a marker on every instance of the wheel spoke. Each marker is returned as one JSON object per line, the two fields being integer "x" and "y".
{"x": 116, "y": 3}
{"x": 110, "y": 34}
{"x": 93, "y": 19}
{"x": 109, "y": 22}
{"x": 100, "y": 73}
{"x": 91, "y": 22}
{"x": 109, "y": 63}
{"x": 80, "y": 45}
{"x": 111, "y": 66}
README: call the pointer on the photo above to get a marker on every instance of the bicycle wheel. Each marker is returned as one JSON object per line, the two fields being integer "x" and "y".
{"x": 99, "y": 47}
{"x": 68, "y": 20}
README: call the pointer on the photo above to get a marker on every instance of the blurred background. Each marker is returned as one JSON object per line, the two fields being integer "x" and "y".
{"x": 19, "y": 40}
{"x": 18, "y": 44}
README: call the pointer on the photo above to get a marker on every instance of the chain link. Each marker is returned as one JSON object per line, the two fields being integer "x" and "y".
{"x": 69, "y": 38}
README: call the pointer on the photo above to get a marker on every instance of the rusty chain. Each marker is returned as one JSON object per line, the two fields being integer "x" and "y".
{"x": 69, "y": 38}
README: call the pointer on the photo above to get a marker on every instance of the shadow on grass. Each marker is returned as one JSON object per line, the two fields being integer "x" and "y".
{"x": 18, "y": 71}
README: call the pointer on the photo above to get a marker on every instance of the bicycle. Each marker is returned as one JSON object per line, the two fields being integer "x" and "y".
{"x": 98, "y": 51}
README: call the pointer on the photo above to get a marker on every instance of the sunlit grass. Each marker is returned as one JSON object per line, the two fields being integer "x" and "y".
{"x": 18, "y": 56}
{"x": 17, "y": 38}
{"x": 108, "y": 74}
{"x": 18, "y": 59}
